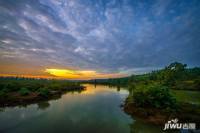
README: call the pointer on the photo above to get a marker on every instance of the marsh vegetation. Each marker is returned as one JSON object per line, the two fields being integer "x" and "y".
{"x": 15, "y": 91}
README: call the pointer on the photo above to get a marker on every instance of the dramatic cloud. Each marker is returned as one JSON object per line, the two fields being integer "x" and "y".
{"x": 102, "y": 36}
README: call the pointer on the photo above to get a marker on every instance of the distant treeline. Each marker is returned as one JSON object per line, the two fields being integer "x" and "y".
{"x": 176, "y": 76}
{"x": 111, "y": 81}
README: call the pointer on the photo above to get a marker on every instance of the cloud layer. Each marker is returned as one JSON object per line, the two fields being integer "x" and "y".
{"x": 107, "y": 36}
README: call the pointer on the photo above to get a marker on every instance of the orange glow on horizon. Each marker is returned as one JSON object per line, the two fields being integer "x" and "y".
{"x": 67, "y": 74}
{"x": 78, "y": 74}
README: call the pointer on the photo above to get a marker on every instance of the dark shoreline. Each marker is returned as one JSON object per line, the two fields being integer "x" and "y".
{"x": 185, "y": 113}
{"x": 15, "y": 99}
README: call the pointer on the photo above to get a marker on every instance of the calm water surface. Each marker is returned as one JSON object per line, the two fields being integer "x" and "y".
{"x": 95, "y": 110}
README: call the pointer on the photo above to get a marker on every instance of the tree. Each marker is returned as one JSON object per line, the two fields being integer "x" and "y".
{"x": 173, "y": 72}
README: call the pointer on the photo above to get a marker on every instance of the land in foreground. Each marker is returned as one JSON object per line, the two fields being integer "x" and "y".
{"x": 15, "y": 91}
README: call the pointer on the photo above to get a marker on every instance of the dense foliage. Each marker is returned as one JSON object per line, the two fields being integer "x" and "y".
{"x": 177, "y": 74}
{"x": 153, "y": 95}
{"x": 24, "y": 91}
{"x": 25, "y": 86}
{"x": 43, "y": 92}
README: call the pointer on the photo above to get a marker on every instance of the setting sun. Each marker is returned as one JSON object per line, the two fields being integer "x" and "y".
{"x": 78, "y": 74}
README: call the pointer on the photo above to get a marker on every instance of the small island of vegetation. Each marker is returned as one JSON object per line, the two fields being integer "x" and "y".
{"x": 14, "y": 91}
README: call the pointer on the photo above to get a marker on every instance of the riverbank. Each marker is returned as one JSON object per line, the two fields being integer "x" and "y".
{"x": 17, "y": 91}
{"x": 15, "y": 98}
{"x": 185, "y": 113}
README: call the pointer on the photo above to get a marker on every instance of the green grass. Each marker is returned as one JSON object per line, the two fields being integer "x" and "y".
{"x": 185, "y": 96}
{"x": 24, "y": 91}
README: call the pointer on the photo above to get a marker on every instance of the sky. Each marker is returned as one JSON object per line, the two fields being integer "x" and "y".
{"x": 85, "y": 39}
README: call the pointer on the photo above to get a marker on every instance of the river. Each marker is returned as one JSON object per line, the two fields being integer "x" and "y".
{"x": 94, "y": 110}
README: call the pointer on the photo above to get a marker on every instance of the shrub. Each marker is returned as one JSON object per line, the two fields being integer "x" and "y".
{"x": 197, "y": 84}
{"x": 157, "y": 96}
{"x": 43, "y": 92}
{"x": 54, "y": 86}
{"x": 3, "y": 94}
{"x": 24, "y": 91}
